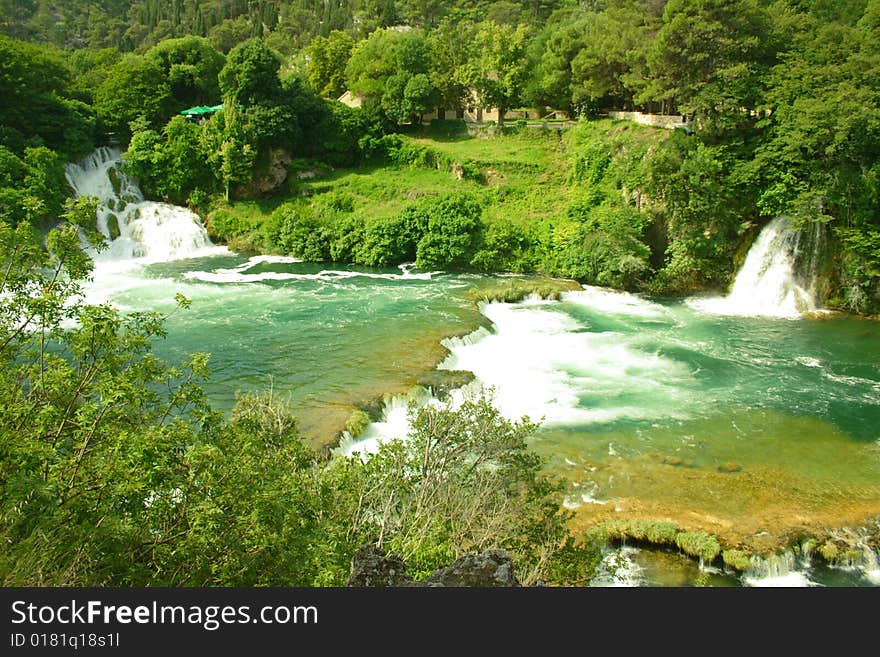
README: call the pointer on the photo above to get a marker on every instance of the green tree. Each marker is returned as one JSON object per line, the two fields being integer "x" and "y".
{"x": 498, "y": 73}
{"x": 708, "y": 58}
{"x": 250, "y": 75}
{"x": 451, "y": 45}
{"x": 237, "y": 159}
{"x": 135, "y": 87}
{"x": 463, "y": 481}
{"x": 33, "y": 187}
{"x": 327, "y": 59}
{"x": 383, "y": 54}
{"x": 191, "y": 65}
{"x": 37, "y": 101}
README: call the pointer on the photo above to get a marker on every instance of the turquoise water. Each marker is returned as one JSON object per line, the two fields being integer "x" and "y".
{"x": 695, "y": 411}
{"x": 323, "y": 339}
{"x": 644, "y": 402}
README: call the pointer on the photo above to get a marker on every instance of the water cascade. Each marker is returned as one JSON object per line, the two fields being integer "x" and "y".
{"x": 778, "y": 570}
{"x": 768, "y": 283}
{"x": 140, "y": 231}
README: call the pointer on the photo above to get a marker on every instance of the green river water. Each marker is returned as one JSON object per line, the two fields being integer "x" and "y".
{"x": 755, "y": 428}
{"x": 741, "y": 426}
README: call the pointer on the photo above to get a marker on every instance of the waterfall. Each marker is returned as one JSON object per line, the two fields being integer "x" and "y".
{"x": 768, "y": 283}
{"x": 140, "y": 232}
{"x": 778, "y": 570}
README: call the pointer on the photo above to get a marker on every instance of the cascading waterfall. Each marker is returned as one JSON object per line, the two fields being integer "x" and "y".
{"x": 778, "y": 570}
{"x": 140, "y": 231}
{"x": 768, "y": 283}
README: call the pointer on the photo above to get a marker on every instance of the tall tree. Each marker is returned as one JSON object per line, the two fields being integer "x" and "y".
{"x": 192, "y": 65}
{"x": 135, "y": 87}
{"x": 499, "y": 70}
{"x": 327, "y": 59}
{"x": 709, "y": 57}
{"x": 251, "y": 74}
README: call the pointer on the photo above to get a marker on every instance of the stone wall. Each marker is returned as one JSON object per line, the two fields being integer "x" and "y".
{"x": 666, "y": 121}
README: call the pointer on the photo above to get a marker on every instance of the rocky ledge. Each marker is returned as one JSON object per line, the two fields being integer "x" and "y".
{"x": 371, "y": 567}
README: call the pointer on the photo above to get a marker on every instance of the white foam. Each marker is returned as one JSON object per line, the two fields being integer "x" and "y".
{"x": 541, "y": 361}
{"x": 613, "y": 302}
{"x": 394, "y": 425}
{"x": 788, "y": 580}
{"x": 808, "y": 361}
{"x": 781, "y": 570}
{"x": 238, "y": 275}
{"x": 619, "y": 569}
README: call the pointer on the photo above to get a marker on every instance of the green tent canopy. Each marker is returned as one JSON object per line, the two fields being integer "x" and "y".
{"x": 201, "y": 110}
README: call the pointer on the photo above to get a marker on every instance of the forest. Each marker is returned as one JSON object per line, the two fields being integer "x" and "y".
{"x": 121, "y": 473}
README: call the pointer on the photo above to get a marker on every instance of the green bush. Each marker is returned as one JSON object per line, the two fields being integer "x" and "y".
{"x": 453, "y": 232}
{"x": 301, "y": 233}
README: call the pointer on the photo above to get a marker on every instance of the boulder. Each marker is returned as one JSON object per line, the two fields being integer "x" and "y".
{"x": 372, "y": 567}
{"x": 491, "y": 568}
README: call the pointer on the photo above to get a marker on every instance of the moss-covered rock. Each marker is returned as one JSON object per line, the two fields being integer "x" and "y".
{"x": 517, "y": 291}
{"x": 357, "y": 422}
{"x": 113, "y": 226}
{"x": 442, "y": 382}
{"x": 829, "y": 551}
{"x": 662, "y": 533}
{"x": 736, "y": 559}
{"x": 698, "y": 544}
{"x": 656, "y": 532}
{"x": 115, "y": 182}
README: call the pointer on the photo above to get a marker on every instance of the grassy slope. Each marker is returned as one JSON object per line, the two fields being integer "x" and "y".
{"x": 526, "y": 179}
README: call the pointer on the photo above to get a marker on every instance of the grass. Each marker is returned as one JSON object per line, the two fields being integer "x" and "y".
{"x": 383, "y": 191}
{"x": 524, "y": 178}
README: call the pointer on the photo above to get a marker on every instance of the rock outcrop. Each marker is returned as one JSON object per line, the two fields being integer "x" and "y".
{"x": 371, "y": 567}
{"x": 491, "y": 568}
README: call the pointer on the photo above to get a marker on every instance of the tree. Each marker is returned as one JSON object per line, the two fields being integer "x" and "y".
{"x": 463, "y": 481}
{"x": 88, "y": 436}
{"x": 38, "y": 102}
{"x": 135, "y": 87}
{"x": 407, "y": 97}
{"x": 611, "y": 58}
{"x": 552, "y": 52}
{"x": 250, "y": 75}
{"x": 383, "y": 54}
{"x": 451, "y": 45}
{"x": 390, "y": 68}
{"x": 33, "y": 187}
{"x": 327, "y": 59}
{"x": 500, "y": 69}
{"x": 708, "y": 58}
{"x": 237, "y": 159}
{"x": 191, "y": 65}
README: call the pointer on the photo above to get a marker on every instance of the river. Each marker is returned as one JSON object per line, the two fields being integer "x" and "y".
{"x": 738, "y": 415}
